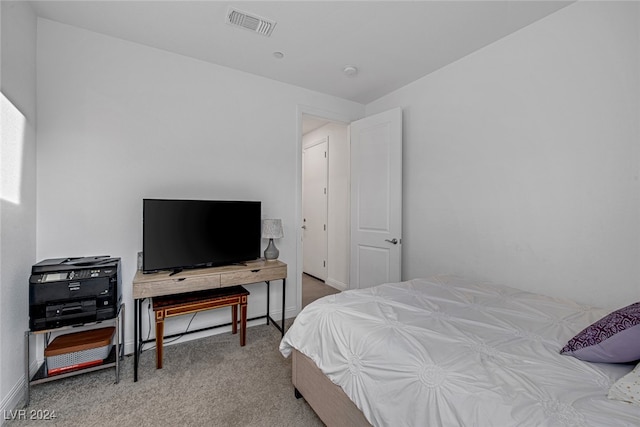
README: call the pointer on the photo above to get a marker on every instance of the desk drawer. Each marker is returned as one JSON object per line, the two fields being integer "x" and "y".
{"x": 176, "y": 286}
{"x": 253, "y": 276}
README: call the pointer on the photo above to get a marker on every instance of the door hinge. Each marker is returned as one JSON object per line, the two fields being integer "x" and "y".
{"x": 324, "y": 263}
{"x": 325, "y": 227}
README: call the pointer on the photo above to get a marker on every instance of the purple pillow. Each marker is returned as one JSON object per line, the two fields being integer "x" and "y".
{"x": 613, "y": 339}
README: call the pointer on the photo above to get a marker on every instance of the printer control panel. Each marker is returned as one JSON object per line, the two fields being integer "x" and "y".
{"x": 72, "y": 275}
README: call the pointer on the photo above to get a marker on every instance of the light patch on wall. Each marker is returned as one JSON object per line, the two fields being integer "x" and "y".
{"x": 12, "y": 134}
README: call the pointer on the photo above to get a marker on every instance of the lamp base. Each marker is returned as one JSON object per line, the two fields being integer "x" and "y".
{"x": 271, "y": 253}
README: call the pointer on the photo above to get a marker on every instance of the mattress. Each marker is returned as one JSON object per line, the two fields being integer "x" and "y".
{"x": 448, "y": 351}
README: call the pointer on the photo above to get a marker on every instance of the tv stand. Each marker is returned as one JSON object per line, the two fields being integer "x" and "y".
{"x": 151, "y": 285}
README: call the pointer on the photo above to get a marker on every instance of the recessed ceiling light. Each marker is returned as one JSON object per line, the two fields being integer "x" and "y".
{"x": 350, "y": 71}
{"x": 278, "y": 55}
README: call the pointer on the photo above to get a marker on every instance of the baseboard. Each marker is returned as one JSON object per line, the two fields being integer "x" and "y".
{"x": 337, "y": 284}
{"x": 13, "y": 402}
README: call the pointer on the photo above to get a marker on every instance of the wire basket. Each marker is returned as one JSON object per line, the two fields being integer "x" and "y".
{"x": 79, "y": 357}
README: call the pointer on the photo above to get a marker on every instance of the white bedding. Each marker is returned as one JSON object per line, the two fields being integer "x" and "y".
{"x": 450, "y": 352}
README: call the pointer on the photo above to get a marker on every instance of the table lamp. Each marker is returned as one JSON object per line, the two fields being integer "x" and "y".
{"x": 272, "y": 229}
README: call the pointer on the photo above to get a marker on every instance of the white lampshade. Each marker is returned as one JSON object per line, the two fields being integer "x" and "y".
{"x": 272, "y": 229}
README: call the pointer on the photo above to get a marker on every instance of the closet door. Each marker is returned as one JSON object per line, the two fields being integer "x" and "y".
{"x": 314, "y": 208}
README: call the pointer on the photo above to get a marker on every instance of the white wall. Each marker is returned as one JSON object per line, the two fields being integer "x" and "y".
{"x": 522, "y": 159}
{"x": 120, "y": 121}
{"x": 17, "y": 191}
{"x": 338, "y": 201}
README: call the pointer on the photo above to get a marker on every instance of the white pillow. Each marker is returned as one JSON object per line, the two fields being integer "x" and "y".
{"x": 627, "y": 388}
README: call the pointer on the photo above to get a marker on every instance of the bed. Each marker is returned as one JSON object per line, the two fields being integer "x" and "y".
{"x": 449, "y": 351}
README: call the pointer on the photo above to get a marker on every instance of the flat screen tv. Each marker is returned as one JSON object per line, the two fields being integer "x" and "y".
{"x": 179, "y": 234}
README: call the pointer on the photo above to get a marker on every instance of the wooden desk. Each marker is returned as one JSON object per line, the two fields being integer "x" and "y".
{"x": 164, "y": 283}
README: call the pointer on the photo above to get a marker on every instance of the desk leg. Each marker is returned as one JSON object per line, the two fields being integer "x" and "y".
{"x": 136, "y": 342}
{"x": 284, "y": 292}
{"x": 159, "y": 337}
{"x": 268, "y": 293}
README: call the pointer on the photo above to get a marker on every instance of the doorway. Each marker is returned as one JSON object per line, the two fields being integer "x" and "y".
{"x": 355, "y": 179}
{"x": 325, "y": 201}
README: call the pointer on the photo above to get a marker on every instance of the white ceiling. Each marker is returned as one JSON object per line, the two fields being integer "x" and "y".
{"x": 392, "y": 43}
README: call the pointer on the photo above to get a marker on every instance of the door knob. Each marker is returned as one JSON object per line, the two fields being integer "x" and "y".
{"x": 304, "y": 227}
{"x": 394, "y": 241}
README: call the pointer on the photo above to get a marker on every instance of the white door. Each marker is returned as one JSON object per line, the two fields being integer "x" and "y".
{"x": 376, "y": 199}
{"x": 314, "y": 209}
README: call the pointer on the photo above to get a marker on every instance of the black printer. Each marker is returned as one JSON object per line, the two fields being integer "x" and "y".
{"x": 72, "y": 291}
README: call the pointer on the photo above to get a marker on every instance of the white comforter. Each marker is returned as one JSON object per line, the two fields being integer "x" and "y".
{"x": 451, "y": 352}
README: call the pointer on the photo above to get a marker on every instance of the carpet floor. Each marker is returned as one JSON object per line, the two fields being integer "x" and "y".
{"x": 206, "y": 382}
{"x": 313, "y": 288}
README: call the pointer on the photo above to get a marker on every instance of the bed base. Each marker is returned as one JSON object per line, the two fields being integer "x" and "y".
{"x": 328, "y": 400}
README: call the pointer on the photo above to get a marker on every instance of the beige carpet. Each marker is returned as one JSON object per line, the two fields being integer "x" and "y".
{"x": 207, "y": 382}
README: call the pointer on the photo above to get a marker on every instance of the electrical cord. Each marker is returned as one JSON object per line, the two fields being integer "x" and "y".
{"x": 142, "y": 350}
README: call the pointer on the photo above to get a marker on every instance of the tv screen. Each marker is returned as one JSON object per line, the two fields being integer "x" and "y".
{"x": 181, "y": 234}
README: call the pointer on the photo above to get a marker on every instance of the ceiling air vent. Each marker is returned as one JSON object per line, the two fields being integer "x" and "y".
{"x": 250, "y": 22}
